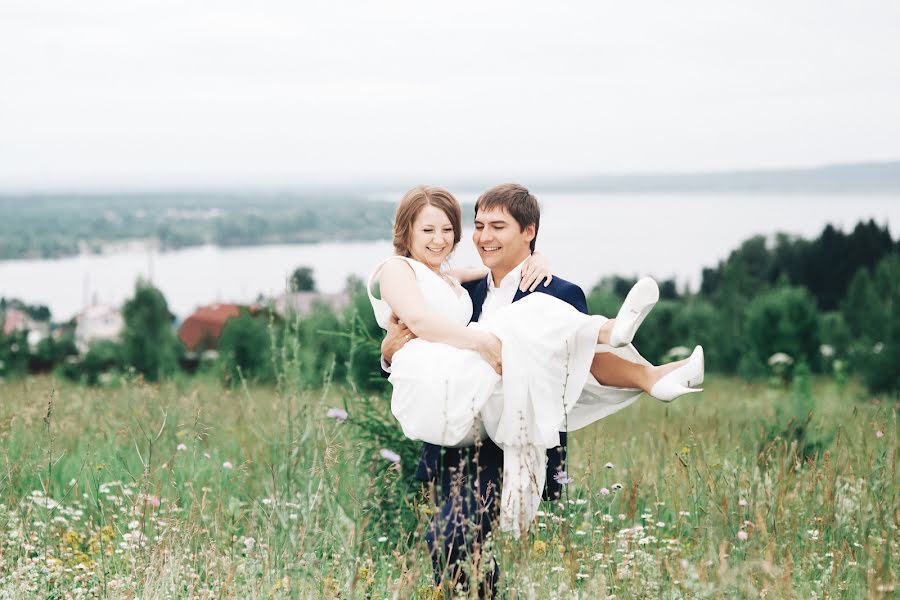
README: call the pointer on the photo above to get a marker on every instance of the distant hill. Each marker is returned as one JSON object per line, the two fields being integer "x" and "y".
{"x": 859, "y": 178}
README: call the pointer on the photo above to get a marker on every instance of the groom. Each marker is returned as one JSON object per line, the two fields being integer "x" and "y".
{"x": 467, "y": 480}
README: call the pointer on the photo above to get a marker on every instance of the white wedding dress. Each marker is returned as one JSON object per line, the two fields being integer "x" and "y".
{"x": 445, "y": 395}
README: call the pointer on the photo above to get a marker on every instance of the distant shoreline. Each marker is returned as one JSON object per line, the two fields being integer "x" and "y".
{"x": 865, "y": 177}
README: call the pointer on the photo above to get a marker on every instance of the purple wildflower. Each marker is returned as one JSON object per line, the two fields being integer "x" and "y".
{"x": 390, "y": 455}
{"x": 562, "y": 478}
{"x": 337, "y": 414}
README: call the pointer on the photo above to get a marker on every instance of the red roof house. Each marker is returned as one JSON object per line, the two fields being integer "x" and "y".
{"x": 201, "y": 330}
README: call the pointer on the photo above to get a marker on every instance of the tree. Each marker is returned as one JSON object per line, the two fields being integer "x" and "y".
{"x": 148, "y": 341}
{"x": 783, "y": 319}
{"x": 245, "y": 350}
{"x": 302, "y": 280}
{"x": 878, "y": 354}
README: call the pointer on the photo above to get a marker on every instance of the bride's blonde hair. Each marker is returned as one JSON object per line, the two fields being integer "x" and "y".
{"x": 412, "y": 203}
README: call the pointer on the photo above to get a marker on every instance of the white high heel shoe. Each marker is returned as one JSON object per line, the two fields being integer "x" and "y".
{"x": 682, "y": 380}
{"x": 641, "y": 298}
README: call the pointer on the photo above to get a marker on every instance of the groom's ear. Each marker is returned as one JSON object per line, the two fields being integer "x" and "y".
{"x": 529, "y": 231}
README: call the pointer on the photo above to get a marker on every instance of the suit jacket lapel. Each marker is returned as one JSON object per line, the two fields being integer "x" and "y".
{"x": 478, "y": 293}
{"x": 520, "y": 294}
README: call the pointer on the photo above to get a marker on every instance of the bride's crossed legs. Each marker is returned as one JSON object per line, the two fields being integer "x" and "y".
{"x": 613, "y": 371}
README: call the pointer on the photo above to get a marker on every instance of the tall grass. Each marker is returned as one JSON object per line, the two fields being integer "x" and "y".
{"x": 187, "y": 489}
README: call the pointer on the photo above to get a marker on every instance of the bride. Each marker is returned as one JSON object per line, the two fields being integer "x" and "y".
{"x": 545, "y": 349}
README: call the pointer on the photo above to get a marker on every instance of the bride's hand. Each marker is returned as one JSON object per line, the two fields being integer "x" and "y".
{"x": 491, "y": 349}
{"x": 534, "y": 271}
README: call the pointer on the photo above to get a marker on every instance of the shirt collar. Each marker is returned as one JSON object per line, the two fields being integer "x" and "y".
{"x": 510, "y": 281}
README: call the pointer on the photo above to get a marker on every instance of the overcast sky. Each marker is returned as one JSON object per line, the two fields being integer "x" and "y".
{"x": 167, "y": 93}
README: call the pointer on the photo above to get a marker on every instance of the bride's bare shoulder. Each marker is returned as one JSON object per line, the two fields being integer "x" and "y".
{"x": 397, "y": 266}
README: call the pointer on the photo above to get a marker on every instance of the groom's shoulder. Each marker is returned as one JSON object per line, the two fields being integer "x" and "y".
{"x": 564, "y": 286}
{"x": 567, "y": 291}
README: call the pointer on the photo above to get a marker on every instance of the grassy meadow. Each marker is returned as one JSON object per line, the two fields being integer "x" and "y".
{"x": 191, "y": 490}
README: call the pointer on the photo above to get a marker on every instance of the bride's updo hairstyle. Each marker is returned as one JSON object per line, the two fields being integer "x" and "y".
{"x": 412, "y": 203}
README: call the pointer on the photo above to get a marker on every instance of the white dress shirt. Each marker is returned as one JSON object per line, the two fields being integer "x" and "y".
{"x": 502, "y": 295}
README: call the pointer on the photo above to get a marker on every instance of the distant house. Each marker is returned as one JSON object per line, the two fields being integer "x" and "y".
{"x": 98, "y": 322}
{"x": 17, "y": 320}
{"x": 202, "y": 329}
{"x": 302, "y": 303}
{"x": 14, "y": 320}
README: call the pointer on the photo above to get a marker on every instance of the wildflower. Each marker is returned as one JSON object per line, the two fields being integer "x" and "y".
{"x": 608, "y": 518}
{"x": 337, "y": 414}
{"x": 382, "y": 539}
{"x": 660, "y": 524}
{"x": 608, "y": 465}
{"x": 133, "y": 525}
{"x": 390, "y": 455}
{"x": 780, "y": 358}
{"x": 249, "y": 543}
{"x": 181, "y": 447}
{"x": 153, "y": 501}
{"x": 227, "y": 465}
{"x": 72, "y": 482}
{"x": 562, "y": 478}
{"x": 879, "y": 434}
{"x": 604, "y": 491}
{"x": 621, "y": 516}
{"x": 826, "y": 350}
{"x": 742, "y": 535}
{"x": 616, "y": 487}
{"x": 539, "y": 546}
{"x": 742, "y": 502}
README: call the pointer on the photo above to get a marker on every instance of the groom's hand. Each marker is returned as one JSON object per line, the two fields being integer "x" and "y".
{"x": 396, "y": 337}
{"x": 491, "y": 350}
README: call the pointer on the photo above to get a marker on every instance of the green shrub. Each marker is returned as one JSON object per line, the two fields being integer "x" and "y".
{"x": 103, "y": 356}
{"x": 13, "y": 353}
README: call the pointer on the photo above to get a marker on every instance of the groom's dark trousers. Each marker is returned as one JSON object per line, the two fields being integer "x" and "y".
{"x": 467, "y": 480}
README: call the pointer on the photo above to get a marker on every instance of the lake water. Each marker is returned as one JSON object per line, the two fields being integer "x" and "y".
{"x": 585, "y": 236}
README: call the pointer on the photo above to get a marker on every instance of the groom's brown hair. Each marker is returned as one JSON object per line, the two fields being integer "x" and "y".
{"x": 516, "y": 200}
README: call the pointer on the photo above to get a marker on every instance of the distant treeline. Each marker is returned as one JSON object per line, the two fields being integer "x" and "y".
{"x": 832, "y": 303}
{"x": 47, "y": 226}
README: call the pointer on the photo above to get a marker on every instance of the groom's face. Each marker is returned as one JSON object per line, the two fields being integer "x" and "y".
{"x": 500, "y": 240}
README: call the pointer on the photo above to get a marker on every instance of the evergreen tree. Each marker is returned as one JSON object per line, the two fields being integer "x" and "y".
{"x": 148, "y": 341}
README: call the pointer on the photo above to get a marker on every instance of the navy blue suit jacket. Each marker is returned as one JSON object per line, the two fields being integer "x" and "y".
{"x": 430, "y": 456}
